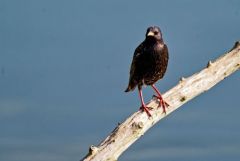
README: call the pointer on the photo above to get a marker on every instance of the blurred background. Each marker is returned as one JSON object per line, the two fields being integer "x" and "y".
{"x": 64, "y": 66}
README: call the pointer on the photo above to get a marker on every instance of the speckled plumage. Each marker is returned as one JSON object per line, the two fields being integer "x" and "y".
{"x": 149, "y": 62}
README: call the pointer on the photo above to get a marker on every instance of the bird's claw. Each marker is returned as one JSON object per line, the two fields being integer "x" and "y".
{"x": 162, "y": 103}
{"x": 146, "y": 109}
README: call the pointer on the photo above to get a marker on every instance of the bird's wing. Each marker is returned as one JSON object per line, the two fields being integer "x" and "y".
{"x": 137, "y": 53}
{"x": 133, "y": 80}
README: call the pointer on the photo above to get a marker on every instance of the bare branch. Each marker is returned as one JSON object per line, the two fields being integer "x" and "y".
{"x": 138, "y": 123}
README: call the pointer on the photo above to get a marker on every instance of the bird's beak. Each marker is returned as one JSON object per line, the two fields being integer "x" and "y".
{"x": 150, "y": 33}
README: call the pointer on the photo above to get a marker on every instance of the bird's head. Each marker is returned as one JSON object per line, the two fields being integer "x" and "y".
{"x": 154, "y": 32}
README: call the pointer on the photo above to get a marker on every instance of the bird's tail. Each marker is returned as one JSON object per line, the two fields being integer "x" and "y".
{"x": 130, "y": 87}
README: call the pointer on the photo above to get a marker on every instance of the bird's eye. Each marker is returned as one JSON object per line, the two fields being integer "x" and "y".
{"x": 155, "y": 32}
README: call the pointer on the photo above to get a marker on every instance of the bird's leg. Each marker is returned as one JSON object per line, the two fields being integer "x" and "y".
{"x": 159, "y": 96}
{"x": 143, "y": 107}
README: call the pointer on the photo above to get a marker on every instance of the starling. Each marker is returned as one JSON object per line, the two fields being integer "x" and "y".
{"x": 149, "y": 64}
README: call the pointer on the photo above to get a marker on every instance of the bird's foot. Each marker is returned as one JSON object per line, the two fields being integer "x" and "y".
{"x": 162, "y": 103}
{"x": 146, "y": 109}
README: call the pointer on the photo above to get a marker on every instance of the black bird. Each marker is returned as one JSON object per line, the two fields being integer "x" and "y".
{"x": 149, "y": 64}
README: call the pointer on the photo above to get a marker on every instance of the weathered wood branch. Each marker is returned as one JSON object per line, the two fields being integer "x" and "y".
{"x": 138, "y": 123}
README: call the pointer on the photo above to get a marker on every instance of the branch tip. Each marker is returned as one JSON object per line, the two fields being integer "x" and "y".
{"x": 210, "y": 63}
{"x": 93, "y": 149}
{"x": 182, "y": 79}
{"x": 236, "y": 45}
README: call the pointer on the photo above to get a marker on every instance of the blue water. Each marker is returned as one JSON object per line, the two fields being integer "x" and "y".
{"x": 65, "y": 64}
